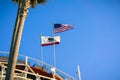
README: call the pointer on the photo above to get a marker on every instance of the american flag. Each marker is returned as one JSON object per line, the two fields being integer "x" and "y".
{"x": 62, "y": 27}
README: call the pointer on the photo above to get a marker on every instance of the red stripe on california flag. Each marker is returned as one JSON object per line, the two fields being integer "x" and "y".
{"x": 48, "y": 44}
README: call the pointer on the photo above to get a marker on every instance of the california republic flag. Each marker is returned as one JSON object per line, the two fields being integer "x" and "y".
{"x": 47, "y": 40}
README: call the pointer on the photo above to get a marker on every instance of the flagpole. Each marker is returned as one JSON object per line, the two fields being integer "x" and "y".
{"x": 54, "y": 53}
{"x": 41, "y": 52}
{"x": 79, "y": 76}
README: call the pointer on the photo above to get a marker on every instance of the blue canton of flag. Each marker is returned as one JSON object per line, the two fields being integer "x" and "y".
{"x": 61, "y": 27}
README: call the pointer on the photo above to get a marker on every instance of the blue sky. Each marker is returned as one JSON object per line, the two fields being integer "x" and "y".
{"x": 94, "y": 43}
